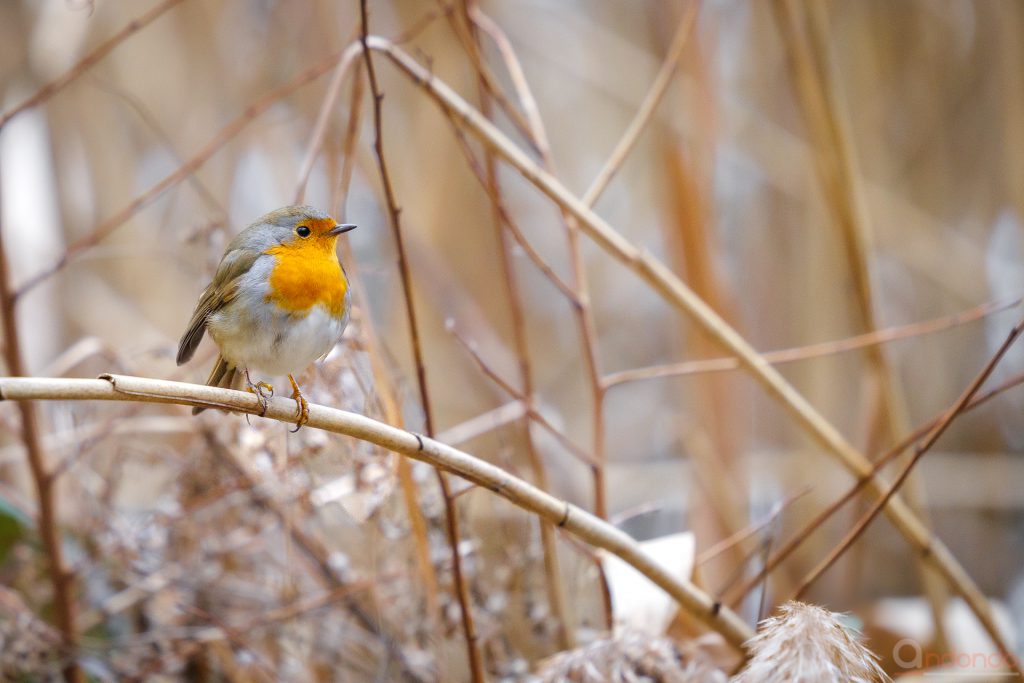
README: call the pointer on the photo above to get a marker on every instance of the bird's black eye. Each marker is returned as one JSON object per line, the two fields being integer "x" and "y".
{"x": 302, "y": 231}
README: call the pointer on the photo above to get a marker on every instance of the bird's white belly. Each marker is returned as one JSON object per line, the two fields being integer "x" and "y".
{"x": 276, "y": 344}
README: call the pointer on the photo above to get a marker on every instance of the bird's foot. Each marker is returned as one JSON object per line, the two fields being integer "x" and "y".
{"x": 264, "y": 392}
{"x": 303, "y": 410}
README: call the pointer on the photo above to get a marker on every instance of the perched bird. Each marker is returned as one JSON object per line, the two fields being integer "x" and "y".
{"x": 279, "y": 300}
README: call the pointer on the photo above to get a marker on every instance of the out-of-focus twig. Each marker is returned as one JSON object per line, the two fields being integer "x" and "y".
{"x": 565, "y": 515}
{"x": 80, "y": 67}
{"x": 309, "y": 544}
{"x": 553, "y": 574}
{"x": 490, "y": 82}
{"x": 227, "y": 133}
{"x": 581, "y": 309}
{"x": 743, "y": 534}
{"x": 510, "y": 224}
{"x": 647, "y": 108}
{"x": 483, "y": 423}
{"x": 316, "y": 138}
{"x": 386, "y": 390}
{"x": 805, "y": 32}
{"x": 810, "y": 351}
{"x": 61, "y": 579}
{"x": 388, "y": 393}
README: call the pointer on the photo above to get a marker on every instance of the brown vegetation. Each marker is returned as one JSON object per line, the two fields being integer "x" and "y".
{"x": 642, "y": 268}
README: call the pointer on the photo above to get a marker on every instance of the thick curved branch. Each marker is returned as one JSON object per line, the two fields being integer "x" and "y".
{"x": 522, "y": 494}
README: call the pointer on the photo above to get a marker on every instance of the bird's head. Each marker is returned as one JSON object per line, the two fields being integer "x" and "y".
{"x": 304, "y": 227}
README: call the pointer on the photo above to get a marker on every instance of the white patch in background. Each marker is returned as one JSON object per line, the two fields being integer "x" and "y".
{"x": 911, "y": 618}
{"x": 254, "y": 183}
{"x": 58, "y": 37}
{"x": 31, "y": 229}
{"x": 636, "y": 602}
{"x": 1004, "y": 268}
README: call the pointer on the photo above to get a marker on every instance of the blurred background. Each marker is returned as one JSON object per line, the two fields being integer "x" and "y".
{"x": 814, "y": 171}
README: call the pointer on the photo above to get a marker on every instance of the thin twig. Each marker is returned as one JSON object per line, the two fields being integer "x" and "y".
{"x": 80, "y": 67}
{"x": 566, "y": 516}
{"x": 316, "y": 138}
{"x": 800, "y": 353}
{"x": 483, "y": 423}
{"x": 743, "y": 534}
{"x": 581, "y": 310}
{"x": 483, "y": 71}
{"x": 532, "y": 412}
{"x": 474, "y": 655}
{"x": 151, "y": 122}
{"x": 956, "y": 409}
{"x": 510, "y": 224}
{"x": 61, "y": 578}
{"x": 386, "y": 389}
{"x": 647, "y": 108}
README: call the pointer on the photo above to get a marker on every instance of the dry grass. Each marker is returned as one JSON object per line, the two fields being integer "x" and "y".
{"x": 826, "y": 177}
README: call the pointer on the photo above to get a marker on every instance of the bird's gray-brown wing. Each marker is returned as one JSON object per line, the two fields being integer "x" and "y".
{"x": 221, "y": 290}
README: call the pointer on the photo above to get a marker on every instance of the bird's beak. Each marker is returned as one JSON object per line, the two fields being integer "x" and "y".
{"x": 340, "y": 228}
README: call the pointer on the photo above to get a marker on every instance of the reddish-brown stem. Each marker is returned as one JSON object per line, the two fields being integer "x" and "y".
{"x": 385, "y": 386}
{"x": 958, "y": 407}
{"x": 743, "y": 534}
{"x": 819, "y": 520}
{"x": 462, "y": 32}
{"x": 581, "y": 310}
{"x": 556, "y": 594}
{"x": 485, "y": 368}
{"x": 509, "y": 222}
{"x": 61, "y": 578}
{"x": 805, "y": 32}
{"x": 451, "y": 512}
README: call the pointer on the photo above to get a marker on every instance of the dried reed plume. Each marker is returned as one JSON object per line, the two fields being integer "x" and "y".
{"x": 808, "y": 644}
{"x": 29, "y": 649}
{"x": 631, "y": 657}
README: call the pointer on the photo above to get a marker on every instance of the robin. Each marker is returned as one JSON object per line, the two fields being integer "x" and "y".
{"x": 279, "y": 301}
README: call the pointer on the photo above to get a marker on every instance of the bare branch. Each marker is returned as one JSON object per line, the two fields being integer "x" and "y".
{"x": 565, "y": 515}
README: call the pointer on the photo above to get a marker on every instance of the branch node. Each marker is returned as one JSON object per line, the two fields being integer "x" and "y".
{"x": 565, "y": 516}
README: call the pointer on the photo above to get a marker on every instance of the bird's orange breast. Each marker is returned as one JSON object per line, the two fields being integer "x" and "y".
{"x": 305, "y": 274}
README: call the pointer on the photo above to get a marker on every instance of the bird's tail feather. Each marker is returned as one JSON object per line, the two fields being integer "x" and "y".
{"x": 222, "y": 375}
